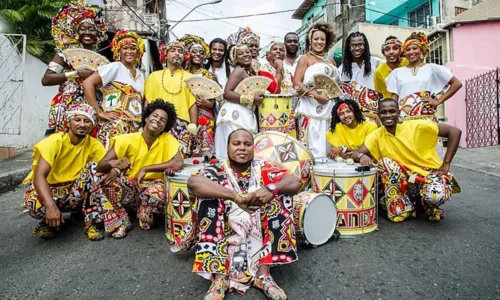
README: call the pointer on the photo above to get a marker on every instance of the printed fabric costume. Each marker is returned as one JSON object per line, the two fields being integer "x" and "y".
{"x": 235, "y": 243}
{"x": 172, "y": 88}
{"x": 407, "y": 161}
{"x": 65, "y": 33}
{"x": 68, "y": 163}
{"x": 121, "y": 90}
{"x": 233, "y": 116}
{"x": 244, "y": 36}
{"x": 361, "y": 88}
{"x": 204, "y": 143}
{"x": 314, "y": 118}
{"x": 383, "y": 70}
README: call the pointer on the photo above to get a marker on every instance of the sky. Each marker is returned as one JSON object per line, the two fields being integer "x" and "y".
{"x": 269, "y": 27}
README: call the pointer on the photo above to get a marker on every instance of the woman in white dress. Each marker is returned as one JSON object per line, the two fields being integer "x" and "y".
{"x": 314, "y": 110}
{"x": 237, "y": 110}
{"x": 122, "y": 86}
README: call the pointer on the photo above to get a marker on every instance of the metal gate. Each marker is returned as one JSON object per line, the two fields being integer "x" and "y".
{"x": 12, "y": 60}
{"x": 482, "y": 102}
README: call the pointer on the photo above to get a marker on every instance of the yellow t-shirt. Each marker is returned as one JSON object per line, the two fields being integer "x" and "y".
{"x": 381, "y": 74}
{"x": 352, "y": 138}
{"x": 134, "y": 147}
{"x": 183, "y": 100}
{"x": 65, "y": 159}
{"x": 413, "y": 146}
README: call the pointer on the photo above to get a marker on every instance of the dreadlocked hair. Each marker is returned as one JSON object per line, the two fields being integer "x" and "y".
{"x": 324, "y": 27}
{"x": 348, "y": 59}
{"x": 165, "y": 106}
{"x": 225, "y": 58}
{"x": 358, "y": 115}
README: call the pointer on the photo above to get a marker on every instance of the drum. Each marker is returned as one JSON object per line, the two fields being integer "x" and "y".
{"x": 275, "y": 112}
{"x": 355, "y": 195}
{"x": 286, "y": 150}
{"x": 179, "y": 227}
{"x": 315, "y": 217}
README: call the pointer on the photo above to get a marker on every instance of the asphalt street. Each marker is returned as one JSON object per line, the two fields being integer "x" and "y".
{"x": 458, "y": 258}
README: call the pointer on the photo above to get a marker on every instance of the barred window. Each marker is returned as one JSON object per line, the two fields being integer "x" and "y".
{"x": 420, "y": 16}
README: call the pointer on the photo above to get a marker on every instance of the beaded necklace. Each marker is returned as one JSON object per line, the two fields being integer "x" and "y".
{"x": 163, "y": 82}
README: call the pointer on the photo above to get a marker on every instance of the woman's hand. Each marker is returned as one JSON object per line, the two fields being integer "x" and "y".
{"x": 107, "y": 116}
{"x": 257, "y": 99}
{"x": 84, "y": 73}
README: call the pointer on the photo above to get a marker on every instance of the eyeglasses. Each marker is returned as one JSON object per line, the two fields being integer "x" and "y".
{"x": 358, "y": 45}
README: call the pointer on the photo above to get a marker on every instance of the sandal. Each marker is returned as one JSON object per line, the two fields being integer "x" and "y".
{"x": 93, "y": 233}
{"x": 121, "y": 231}
{"x": 217, "y": 290}
{"x": 267, "y": 284}
{"x": 44, "y": 231}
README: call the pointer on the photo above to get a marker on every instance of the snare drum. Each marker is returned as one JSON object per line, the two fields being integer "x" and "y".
{"x": 275, "y": 112}
{"x": 179, "y": 226}
{"x": 286, "y": 150}
{"x": 315, "y": 217}
{"x": 355, "y": 195}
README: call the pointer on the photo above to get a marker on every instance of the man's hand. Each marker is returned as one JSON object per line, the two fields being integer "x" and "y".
{"x": 365, "y": 161}
{"x": 138, "y": 179}
{"x": 122, "y": 163}
{"x": 53, "y": 217}
{"x": 108, "y": 178}
{"x": 334, "y": 152}
{"x": 261, "y": 198}
{"x": 84, "y": 73}
{"x": 204, "y": 103}
{"x": 444, "y": 169}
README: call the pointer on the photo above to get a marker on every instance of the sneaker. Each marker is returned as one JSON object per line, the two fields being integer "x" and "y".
{"x": 45, "y": 231}
{"x": 93, "y": 233}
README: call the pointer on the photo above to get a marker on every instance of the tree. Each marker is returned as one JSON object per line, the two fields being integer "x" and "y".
{"x": 32, "y": 18}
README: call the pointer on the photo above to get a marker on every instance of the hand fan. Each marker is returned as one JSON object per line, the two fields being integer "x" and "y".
{"x": 81, "y": 58}
{"x": 326, "y": 86}
{"x": 203, "y": 87}
{"x": 253, "y": 85}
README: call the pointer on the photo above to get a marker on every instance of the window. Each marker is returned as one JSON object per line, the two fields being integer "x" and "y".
{"x": 420, "y": 16}
{"x": 459, "y": 10}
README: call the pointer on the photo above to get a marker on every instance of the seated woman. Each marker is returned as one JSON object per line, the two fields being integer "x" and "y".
{"x": 348, "y": 129}
{"x": 123, "y": 85}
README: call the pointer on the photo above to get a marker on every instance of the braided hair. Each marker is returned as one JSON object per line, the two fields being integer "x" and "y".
{"x": 358, "y": 115}
{"x": 348, "y": 59}
{"x": 226, "y": 55}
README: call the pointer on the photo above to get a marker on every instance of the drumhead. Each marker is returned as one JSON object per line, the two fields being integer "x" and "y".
{"x": 277, "y": 96}
{"x": 320, "y": 219}
{"x": 184, "y": 174}
{"x": 284, "y": 136}
{"x": 340, "y": 169}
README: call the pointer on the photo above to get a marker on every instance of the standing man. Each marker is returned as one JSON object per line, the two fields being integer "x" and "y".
{"x": 292, "y": 49}
{"x": 168, "y": 85}
{"x": 408, "y": 163}
{"x": 391, "y": 50}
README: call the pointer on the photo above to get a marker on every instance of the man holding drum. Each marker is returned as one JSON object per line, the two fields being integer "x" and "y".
{"x": 244, "y": 219}
{"x": 409, "y": 165}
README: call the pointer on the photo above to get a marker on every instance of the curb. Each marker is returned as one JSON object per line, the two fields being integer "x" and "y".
{"x": 10, "y": 180}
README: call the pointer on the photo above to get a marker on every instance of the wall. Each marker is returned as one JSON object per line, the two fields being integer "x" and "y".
{"x": 35, "y": 105}
{"x": 448, "y": 12}
{"x": 398, "y": 10}
{"x": 475, "y": 52}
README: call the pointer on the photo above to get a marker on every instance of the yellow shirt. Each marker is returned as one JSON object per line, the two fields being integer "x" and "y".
{"x": 183, "y": 99}
{"x": 65, "y": 159}
{"x": 381, "y": 74}
{"x": 352, "y": 138}
{"x": 413, "y": 146}
{"x": 134, "y": 147}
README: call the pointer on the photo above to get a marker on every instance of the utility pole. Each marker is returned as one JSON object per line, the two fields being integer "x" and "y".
{"x": 345, "y": 25}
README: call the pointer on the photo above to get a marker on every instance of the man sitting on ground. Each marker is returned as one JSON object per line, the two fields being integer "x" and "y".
{"x": 245, "y": 224}
{"x": 55, "y": 182}
{"x": 409, "y": 165}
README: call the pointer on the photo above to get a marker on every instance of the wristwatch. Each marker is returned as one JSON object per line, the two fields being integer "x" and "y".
{"x": 360, "y": 155}
{"x": 273, "y": 189}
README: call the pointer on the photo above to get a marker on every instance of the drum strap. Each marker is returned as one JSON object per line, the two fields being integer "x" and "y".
{"x": 299, "y": 114}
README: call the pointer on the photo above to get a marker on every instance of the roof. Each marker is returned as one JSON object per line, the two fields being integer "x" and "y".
{"x": 488, "y": 10}
{"x": 303, "y": 9}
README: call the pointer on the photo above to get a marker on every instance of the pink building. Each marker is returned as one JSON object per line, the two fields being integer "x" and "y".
{"x": 470, "y": 47}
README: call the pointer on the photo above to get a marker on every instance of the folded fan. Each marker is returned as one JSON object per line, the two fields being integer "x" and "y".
{"x": 326, "y": 86}
{"x": 254, "y": 85}
{"x": 203, "y": 87}
{"x": 83, "y": 58}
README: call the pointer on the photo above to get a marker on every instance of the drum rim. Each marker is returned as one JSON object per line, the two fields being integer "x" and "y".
{"x": 278, "y": 96}
{"x": 286, "y": 136}
{"x": 349, "y": 174}
{"x": 334, "y": 223}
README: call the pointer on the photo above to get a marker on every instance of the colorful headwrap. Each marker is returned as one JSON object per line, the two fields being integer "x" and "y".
{"x": 165, "y": 48}
{"x": 81, "y": 109}
{"x": 123, "y": 38}
{"x": 419, "y": 39}
{"x": 232, "y": 54}
{"x": 344, "y": 106}
{"x": 191, "y": 40}
{"x": 65, "y": 24}
{"x": 391, "y": 42}
{"x": 242, "y": 36}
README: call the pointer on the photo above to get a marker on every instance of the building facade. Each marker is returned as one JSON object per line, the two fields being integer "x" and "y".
{"x": 309, "y": 11}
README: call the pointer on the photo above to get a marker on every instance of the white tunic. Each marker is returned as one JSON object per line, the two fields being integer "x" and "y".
{"x": 116, "y": 71}
{"x": 358, "y": 73}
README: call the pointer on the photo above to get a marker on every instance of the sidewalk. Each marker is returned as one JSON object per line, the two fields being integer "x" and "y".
{"x": 483, "y": 160}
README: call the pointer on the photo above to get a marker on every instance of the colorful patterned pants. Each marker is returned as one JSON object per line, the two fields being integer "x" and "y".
{"x": 401, "y": 196}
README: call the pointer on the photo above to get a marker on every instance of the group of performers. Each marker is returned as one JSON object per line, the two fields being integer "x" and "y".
{"x": 113, "y": 133}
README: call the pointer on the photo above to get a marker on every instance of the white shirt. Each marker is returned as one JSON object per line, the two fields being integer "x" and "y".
{"x": 220, "y": 73}
{"x": 429, "y": 77}
{"x": 358, "y": 73}
{"x": 116, "y": 71}
{"x": 291, "y": 67}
